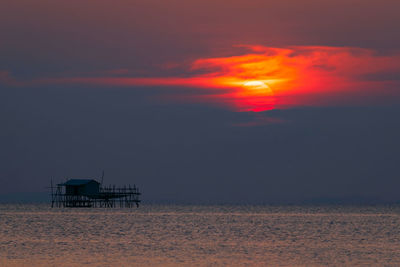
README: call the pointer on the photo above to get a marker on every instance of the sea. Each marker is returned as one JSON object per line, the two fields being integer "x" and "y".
{"x": 200, "y": 235}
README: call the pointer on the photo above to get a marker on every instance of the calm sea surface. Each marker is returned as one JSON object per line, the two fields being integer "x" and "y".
{"x": 36, "y": 235}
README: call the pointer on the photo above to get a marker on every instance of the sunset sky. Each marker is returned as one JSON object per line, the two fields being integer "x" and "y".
{"x": 203, "y": 101}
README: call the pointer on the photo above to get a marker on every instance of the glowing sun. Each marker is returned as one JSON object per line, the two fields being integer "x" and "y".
{"x": 256, "y": 85}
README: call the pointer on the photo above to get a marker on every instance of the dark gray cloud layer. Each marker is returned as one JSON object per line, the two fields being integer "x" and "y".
{"x": 192, "y": 153}
{"x": 42, "y": 37}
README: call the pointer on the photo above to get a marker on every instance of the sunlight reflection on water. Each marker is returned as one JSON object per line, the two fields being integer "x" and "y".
{"x": 154, "y": 235}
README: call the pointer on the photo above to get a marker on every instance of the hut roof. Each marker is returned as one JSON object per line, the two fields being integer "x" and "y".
{"x": 77, "y": 182}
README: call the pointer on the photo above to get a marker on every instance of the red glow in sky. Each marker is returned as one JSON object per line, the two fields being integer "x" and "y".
{"x": 265, "y": 78}
{"x": 280, "y": 77}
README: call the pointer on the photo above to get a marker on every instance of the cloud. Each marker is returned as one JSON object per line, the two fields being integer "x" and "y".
{"x": 5, "y": 78}
{"x": 264, "y": 78}
{"x": 259, "y": 120}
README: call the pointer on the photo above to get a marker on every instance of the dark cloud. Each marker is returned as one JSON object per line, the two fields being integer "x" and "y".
{"x": 193, "y": 153}
{"x": 45, "y": 37}
{"x": 383, "y": 76}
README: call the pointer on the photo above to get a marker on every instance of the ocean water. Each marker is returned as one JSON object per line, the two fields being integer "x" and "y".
{"x": 172, "y": 235}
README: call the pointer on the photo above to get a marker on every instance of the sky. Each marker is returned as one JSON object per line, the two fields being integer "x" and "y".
{"x": 203, "y": 101}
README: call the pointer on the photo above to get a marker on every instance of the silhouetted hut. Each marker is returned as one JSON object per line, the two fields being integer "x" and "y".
{"x": 90, "y": 193}
{"x": 82, "y": 187}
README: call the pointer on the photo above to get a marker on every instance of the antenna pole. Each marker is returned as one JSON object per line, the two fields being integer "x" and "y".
{"x": 52, "y": 194}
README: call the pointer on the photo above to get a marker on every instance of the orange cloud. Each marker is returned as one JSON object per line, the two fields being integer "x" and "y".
{"x": 266, "y": 78}
{"x": 280, "y": 77}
